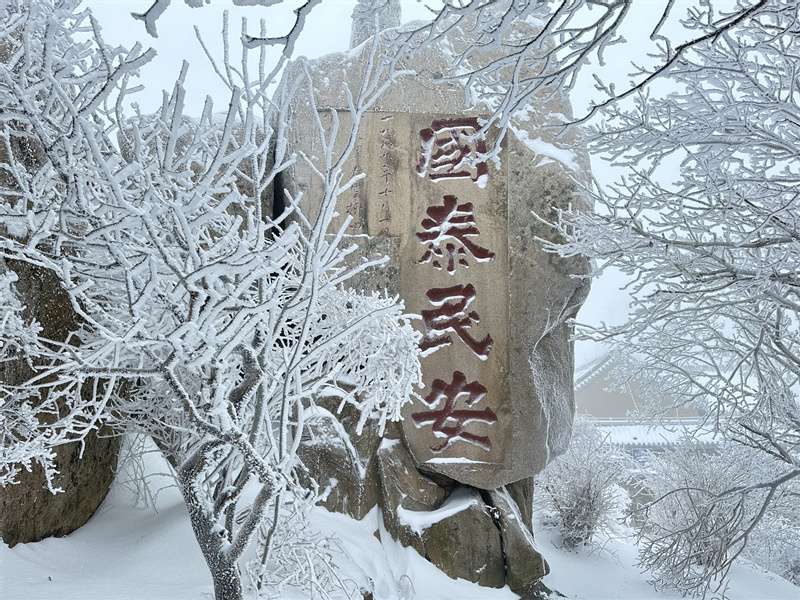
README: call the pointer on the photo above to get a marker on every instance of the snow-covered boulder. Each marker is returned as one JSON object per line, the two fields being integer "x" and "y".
{"x": 457, "y": 224}
{"x": 339, "y": 461}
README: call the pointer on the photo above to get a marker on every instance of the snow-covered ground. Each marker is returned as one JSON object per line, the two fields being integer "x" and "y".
{"x": 609, "y": 573}
{"x": 134, "y": 553}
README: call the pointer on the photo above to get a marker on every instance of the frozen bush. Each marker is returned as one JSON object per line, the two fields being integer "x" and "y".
{"x": 708, "y": 508}
{"x": 775, "y": 542}
{"x": 580, "y": 489}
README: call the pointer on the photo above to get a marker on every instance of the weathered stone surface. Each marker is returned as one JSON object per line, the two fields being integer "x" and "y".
{"x": 498, "y": 398}
{"x": 539, "y": 591}
{"x": 372, "y": 16}
{"x": 521, "y": 493}
{"x": 342, "y": 462}
{"x": 524, "y": 563}
{"x": 404, "y": 488}
{"x": 382, "y": 278}
{"x": 543, "y": 296}
{"x": 463, "y": 252}
{"x": 463, "y": 540}
{"x": 28, "y": 510}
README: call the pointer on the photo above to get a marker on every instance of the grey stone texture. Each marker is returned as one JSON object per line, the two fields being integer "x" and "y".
{"x": 29, "y": 512}
{"x": 534, "y": 368}
{"x": 371, "y": 17}
{"x": 465, "y": 507}
{"x": 524, "y": 564}
{"x": 467, "y": 544}
{"x": 482, "y": 536}
{"x": 404, "y": 488}
{"x": 342, "y": 463}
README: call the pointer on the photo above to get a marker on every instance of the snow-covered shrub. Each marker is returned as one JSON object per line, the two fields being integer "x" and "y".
{"x": 707, "y": 508}
{"x": 703, "y": 223}
{"x": 297, "y": 561}
{"x": 775, "y": 543}
{"x": 580, "y": 489}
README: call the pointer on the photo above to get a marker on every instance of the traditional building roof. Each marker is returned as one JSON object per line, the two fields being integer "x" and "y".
{"x": 625, "y": 434}
{"x": 600, "y": 394}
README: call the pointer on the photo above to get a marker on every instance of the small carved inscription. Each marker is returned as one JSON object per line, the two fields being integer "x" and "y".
{"x": 387, "y": 139}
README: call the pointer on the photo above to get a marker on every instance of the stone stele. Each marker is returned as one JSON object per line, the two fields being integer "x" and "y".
{"x": 461, "y": 236}
{"x": 29, "y": 512}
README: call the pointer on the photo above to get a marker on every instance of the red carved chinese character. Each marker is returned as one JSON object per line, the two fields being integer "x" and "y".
{"x": 453, "y": 221}
{"x": 449, "y": 422}
{"x": 451, "y": 149}
{"x": 451, "y": 316}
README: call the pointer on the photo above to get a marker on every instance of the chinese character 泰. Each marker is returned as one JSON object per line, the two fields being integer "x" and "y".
{"x": 450, "y": 423}
{"x": 446, "y": 224}
{"x": 452, "y": 149}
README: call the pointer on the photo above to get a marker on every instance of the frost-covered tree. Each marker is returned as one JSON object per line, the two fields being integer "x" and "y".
{"x": 709, "y": 507}
{"x": 209, "y": 325}
{"x": 569, "y": 39}
{"x": 205, "y": 321}
{"x": 705, "y": 222}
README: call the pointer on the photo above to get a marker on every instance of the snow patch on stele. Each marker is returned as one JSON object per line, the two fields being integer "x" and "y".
{"x": 546, "y": 149}
{"x": 418, "y": 521}
{"x": 456, "y": 459}
{"x": 550, "y": 151}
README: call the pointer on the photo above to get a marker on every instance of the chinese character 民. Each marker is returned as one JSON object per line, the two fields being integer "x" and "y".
{"x": 451, "y": 149}
{"x": 450, "y": 316}
{"x": 446, "y": 224}
{"x": 449, "y": 422}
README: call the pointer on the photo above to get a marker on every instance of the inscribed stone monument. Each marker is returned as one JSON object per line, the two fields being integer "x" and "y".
{"x": 460, "y": 236}
{"x": 461, "y": 240}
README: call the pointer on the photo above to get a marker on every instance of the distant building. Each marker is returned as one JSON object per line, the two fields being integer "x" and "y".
{"x": 600, "y": 394}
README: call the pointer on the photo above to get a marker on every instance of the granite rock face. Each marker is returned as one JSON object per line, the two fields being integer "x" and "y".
{"x": 404, "y": 488}
{"x": 524, "y": 565}
{"x": 29, "y": 512}
{"x": 463, "y": 540}
{"x": 372, "y": 16}
{"x": 479, "y": 535}
{"x": 340, "y": 462}
{"x": 456, "y": 476}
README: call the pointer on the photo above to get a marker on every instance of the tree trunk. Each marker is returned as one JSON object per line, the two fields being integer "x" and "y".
{"x": 227, "y": 579}
{"x": 224, "y": 572}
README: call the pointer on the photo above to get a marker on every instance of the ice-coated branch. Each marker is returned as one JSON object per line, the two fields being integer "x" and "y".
{"x": 703, "y": 220}
{"x": 152, "y": 14}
